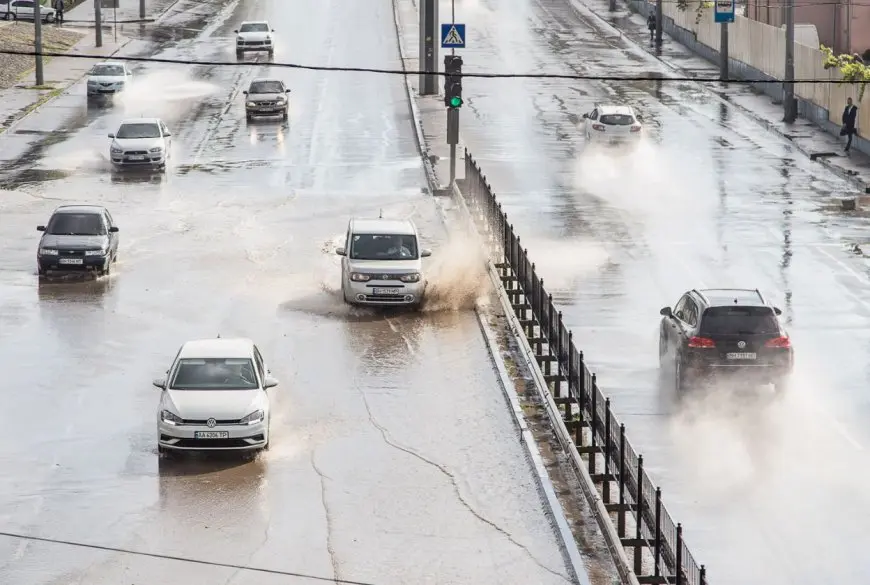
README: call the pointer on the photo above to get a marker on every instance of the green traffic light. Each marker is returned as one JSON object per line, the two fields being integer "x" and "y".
{"x": 455, "y": 102}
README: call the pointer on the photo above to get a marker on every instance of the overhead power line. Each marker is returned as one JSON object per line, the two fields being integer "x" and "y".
{"x": 411, "y": 72}
{"x": 181, "y": 559}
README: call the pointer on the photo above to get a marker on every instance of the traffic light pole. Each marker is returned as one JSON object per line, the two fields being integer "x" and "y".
{"x": 428, "y": 47}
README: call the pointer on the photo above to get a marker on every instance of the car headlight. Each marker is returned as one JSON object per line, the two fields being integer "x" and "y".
{"x": 253, "y": 418}
{"x": 170, "y": 418}
{"x": 92, "y": 82}
{"x": 411, "y": 277}
{"x": 95, "y": 252}
{"x": 156, "y": 149}
{"x": 47, "y": 252}
{"x": 359, "y": 277}
{"x": 251, "y": 104}
{"x": 282, "y": 99}
{"x": 268, "y": 41}
{"x": 115, "y": 150}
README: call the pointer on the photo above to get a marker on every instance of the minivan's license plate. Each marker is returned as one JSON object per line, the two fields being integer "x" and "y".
{"x": 387, "y": 291}
{"x": 211, "y": 435}
{"x": 70, "y": 261}
{"x": 740, "y": 356}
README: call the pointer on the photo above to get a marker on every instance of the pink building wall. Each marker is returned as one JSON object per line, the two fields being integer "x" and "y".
{"x": 830, "y": 19}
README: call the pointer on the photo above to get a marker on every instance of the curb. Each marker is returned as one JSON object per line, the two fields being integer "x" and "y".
{"x": 63, "y": 88}
{"x": 766, "y": 124}
{"x": 574, "y": 561}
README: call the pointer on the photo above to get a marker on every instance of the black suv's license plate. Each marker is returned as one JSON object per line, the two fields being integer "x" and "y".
{"x": 741, "y": 356}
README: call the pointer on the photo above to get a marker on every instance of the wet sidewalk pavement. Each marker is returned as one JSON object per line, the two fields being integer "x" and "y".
{"x": 128, "y": 11}
{"x": 806, "y": 136}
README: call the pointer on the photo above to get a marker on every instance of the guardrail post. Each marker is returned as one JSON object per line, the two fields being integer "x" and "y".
{"x": 678, "y": 564}
{"x": 539, "y": 313}
{"x": 558, "y": 331}
{"x": 607, "y": 447}
{"x": 658, "y": 541}
{"x": 638, "y": 549}
{"x": 620, "y": 519}
{"x": 593, "y": 426}
{"x": 582, "y": 398}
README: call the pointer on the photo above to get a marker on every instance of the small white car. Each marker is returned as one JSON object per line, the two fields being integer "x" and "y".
{"x": 254, "y": 37}
{"x": 108, "y": 78}
{"x": 613, "y": 124}
{"x": 141, "y": 142}
{"x": 215, "y": 398}
{"x": 26, "y": 10}
{"x": 382, "y": 263}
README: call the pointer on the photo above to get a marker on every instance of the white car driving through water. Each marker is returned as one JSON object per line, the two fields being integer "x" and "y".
{"x": 612, "y": 124}
{"x": 254, "y": 37}
{"x": 382, "y": 263}
{"x": 140, "y": 142}
{"x": 107, "y": 79}
{"x": 215, "y": 398}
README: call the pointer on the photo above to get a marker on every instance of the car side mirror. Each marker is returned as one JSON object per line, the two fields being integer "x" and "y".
{"x": 113, "y": 230}
{"x": 273, "y": 30}
{"x": 159, "y": 383}
{"x": 666, "y": 312}
{"x": 111, "y": 135}
{"x": 286, "y": 91}
{"x": 245, "y": 92}
{"x": 40, "y": 228}
{"x": 270, "y": 382}
{"x": 340, "y": 252}
{"x": 235, "y": 30}
{"x": 586, "y": 116}
{"x": 425, "y": 253}
{"x": 167, "y": 134}
{"x": 777, "y": 310}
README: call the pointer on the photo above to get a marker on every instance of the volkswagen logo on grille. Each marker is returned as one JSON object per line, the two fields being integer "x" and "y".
{"x": 386, "y": 277}
{"x": 741, "y": 344}
{"x": 210, "y": 423}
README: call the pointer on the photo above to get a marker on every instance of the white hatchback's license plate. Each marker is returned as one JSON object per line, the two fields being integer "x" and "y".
{"x": 211, "y": 434}
{"x": 137, "y": 157}
{"x": 740, "y": 356}
{"x": 387, "y": 291}
{"x": 70, "y": 261}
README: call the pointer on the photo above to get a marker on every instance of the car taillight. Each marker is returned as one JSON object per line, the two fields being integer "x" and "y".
{"x": 784, "y": 342}
{"x": 599, "y": 127}
{"x": 701, "y": 342}
{"x": 635, "y": 128}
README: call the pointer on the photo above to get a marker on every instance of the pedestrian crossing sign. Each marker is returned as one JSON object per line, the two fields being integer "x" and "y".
{"x": 452, "y": 36}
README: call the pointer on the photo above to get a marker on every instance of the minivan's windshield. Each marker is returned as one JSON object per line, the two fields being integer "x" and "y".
{"x": 137, "y": 130}
{"x": 739, "y": 321}
{"x": 266, "y": 87}
{"x": 76, "y": 224}
{"x": 214, "y": 374}
{"x": 383, "y": 247}
{"x": 254, "y": 27}
{"x": 108, "y": 70}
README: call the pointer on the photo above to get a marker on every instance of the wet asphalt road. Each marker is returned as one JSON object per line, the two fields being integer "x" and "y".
{"x": 393, "y": 457}
{"x": 768, "y": 493}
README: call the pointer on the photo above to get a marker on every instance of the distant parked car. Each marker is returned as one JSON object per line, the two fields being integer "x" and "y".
{"x": 24, "y": 10}
{"x": 78, "y": 238}
{"x": 107, "y": 79}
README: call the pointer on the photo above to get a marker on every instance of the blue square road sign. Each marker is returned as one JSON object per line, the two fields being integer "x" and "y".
{"x": 452, "y": 36}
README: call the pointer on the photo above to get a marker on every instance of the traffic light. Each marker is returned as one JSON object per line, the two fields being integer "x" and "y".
{"x": 452, "y": 81}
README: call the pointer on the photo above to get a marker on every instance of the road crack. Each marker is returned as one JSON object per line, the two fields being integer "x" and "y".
{"x": 333, "y": 558}
{"x": 385, "y": 435}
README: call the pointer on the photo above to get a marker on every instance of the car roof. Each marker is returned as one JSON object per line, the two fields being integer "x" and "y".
{"x": 266, "y": 79}
{"x": 401, "y": 227}
{"x": 80, "y": 209}
{"x": 614, "y": 109}
{"x": 121, "y": 63}
{"x": 719, "y": 297}
{"x": 140, "y": 121}
{"x": 218, "y": 347}
{"x": 254, "y": 22}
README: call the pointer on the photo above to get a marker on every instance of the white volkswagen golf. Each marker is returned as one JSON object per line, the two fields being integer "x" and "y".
{"x": 215, "y": 397}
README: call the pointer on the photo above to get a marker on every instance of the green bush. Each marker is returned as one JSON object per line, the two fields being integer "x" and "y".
{"x": 851, "y": 67}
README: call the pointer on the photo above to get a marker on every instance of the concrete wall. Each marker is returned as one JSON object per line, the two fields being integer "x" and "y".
{"x": 757, "y": 51}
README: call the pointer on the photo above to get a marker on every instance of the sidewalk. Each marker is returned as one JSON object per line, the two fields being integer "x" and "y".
{"x": 127, "y": 12}
{"x": 807, "y": 137}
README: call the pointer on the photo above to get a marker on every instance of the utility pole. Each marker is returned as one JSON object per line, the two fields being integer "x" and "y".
{"x": 98, "y": 22}
{"x": 141, "y": 9}
{"x": 612, "y": 5}
{"x": 37, "y": 42}
{"x": 723, "y": 50}
{"x": 428, "y": 56}
{"x": 659, "y": 24}
{"x": 789, "y": 103}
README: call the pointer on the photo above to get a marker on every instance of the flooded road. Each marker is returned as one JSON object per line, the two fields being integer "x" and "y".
{"x": 393, "y": 455}
{"x": 711, "y": 200}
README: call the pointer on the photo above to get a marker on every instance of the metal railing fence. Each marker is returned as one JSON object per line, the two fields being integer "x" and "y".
{"x": 652, "y": 540}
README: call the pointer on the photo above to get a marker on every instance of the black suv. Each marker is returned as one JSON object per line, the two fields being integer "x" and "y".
{"x": 724, "y": 331}
{"x": 78, "y": 238}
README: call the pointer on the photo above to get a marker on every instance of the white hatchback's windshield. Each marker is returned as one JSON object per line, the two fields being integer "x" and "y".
{"x": 254, "y": 27}
{"x": 144, "y": 130}
{"x": 108, "y": 70}
{"x": 383, "y": 247}
{"x": 214, "y": 374}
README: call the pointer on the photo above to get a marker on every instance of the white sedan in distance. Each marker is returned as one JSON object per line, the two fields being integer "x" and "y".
{"x": 141, "y": 142}
{"x": 215, "y": 398}
{"x": 612, "y": 124}
{"x": 107, "y": 79}
{"x": 254, "y": 37}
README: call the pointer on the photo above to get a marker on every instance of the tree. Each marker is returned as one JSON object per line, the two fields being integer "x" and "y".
{"x": 851, "y": 67}
{"x": 683, "y": 5}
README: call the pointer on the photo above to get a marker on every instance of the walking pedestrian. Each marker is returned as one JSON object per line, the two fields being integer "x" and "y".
{"x": 651, "y": 25}
{"x": 58, "y": 6}
{"x": 850, "y": 119}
